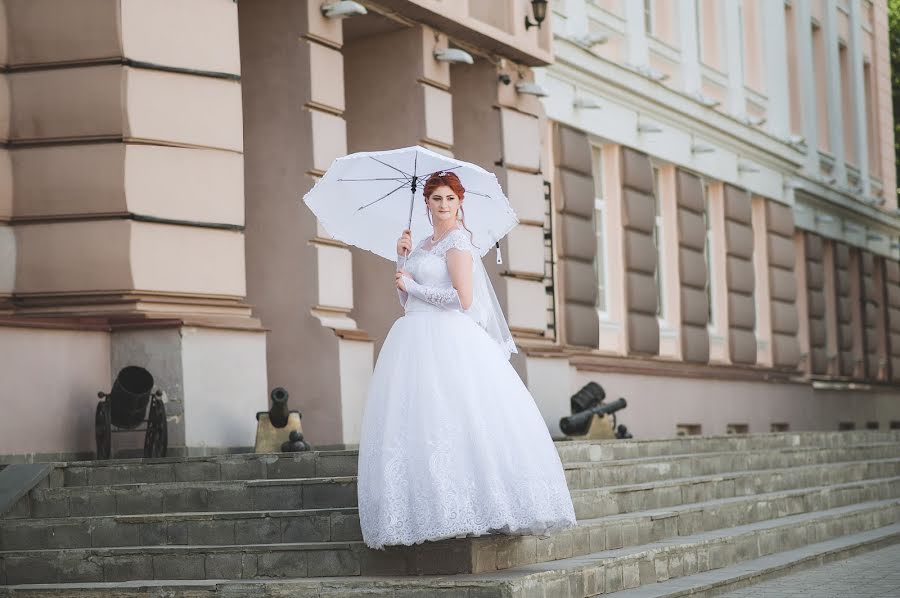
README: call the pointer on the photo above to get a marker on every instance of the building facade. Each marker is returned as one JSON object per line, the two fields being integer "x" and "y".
{"x": 706, "y": 192}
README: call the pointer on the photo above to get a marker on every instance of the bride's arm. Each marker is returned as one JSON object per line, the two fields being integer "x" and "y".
{"x": 458, "y": 296}
{"x": 459, "y": 263}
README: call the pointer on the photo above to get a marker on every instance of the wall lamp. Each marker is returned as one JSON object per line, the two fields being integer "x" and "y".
{"x": 539, "y": 10}
{"x": 531, "y": 89}
{"x": 343, "y": 9}
{"x": 454, "y": 55}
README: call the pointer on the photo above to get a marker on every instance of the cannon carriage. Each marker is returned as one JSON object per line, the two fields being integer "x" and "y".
{"x": 125, "y": 409}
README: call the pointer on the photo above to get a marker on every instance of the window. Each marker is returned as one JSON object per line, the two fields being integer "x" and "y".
{"x": 779, "y": 427}
{"x": 871, "y": 425}
{"x": 688, "y": 429}
{"x": 660, "y": 251}
{"x": 600, "y": 264}
{"x": 737, "y": 429}
{"x": 845, "y": 426}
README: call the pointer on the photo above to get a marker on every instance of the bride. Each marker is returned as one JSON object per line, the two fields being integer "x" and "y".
{"x": 452, "y": 443}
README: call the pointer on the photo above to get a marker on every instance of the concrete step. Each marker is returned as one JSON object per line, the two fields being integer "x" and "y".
{"x": 224, "y": 528}
{"x": 249, "y": 466}
{"x": 578, "y": 577}
{"x": 177, "y": 497}
{"x": 315, "y": 493}
{"x": 220, "y": 535}
{"x": 344, "y": 463}
{"x": 748, "y": 573}
{"x": 342, "y": 524}
{"x": 607, "y": 450}
{"x": 613, "y": 500}
{"x": 591, "y": 474}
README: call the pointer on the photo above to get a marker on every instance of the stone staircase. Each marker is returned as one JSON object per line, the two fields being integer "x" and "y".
{"x": 659, "y": 517}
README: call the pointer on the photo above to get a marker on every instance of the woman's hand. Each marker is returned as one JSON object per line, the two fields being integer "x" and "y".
{"x": 404, "y": 243}
{"x": 398, "y": 279}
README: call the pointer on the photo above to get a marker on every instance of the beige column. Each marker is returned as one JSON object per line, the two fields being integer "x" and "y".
{"x": 398, "y": 95}
{"x": 499, "y": 129}
{"x": 718, "y": 329}
{"x": 125, "y": 144}
{"x": 300, "y": 280}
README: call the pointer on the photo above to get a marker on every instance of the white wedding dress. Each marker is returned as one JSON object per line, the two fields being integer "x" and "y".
{"x": 452, "y": 442}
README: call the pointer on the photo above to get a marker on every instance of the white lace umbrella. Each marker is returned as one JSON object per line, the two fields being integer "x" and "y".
{"x": 366, "y": 199}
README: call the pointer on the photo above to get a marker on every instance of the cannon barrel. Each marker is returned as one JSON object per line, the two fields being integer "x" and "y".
{"x": 129, "y": 396}
{"x": 576, "y": 423}
{"x": 278, "y": 412}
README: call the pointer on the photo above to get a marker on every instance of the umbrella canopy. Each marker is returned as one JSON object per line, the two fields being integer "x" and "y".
{"x": 366, "y": 199}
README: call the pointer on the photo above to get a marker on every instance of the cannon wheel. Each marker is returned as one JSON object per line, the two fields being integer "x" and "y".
{"x": 156, "y": 441}
{"x": 103, "y": 429}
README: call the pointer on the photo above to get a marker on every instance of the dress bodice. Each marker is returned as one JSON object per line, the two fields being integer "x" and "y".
{"x": 427, "y": 265}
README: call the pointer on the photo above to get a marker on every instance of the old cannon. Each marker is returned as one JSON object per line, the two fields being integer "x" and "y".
{"x": 279, "y": 428}
{"x": 124, "y": 409}
{"x": 591, "y": 417}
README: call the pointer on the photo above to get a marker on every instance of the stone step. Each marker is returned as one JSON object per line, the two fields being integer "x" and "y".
{"x": 344, "y": 463}
{"x": 591, "y": 474}
{"x": 177, "y": 497}
{"x": 577, "y": 577}
{"x": 315, "y": 493}
{"x": 748, "y": 573}
{"x": 607, "y": 450}
{"x": 323, "y": 525}
{"x": 463, "y": 555}
{"x": 613, "y": 500}
{"x": 248, "y": 466}
{"x": 234, "y": 527}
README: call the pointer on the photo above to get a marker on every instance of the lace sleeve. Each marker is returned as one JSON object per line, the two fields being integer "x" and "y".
{"x": 458, "y": 239}
{"x": 446, "y": 298}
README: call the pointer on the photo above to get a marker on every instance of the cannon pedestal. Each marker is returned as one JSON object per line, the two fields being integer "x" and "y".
{"x": 601, "y": 427}
{"x": 269, "y": 438}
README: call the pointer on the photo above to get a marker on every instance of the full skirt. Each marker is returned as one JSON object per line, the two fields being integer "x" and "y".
{"x": 452, "y": 443}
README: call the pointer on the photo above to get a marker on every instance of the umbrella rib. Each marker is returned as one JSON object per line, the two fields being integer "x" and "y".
{"x": 380, "y": 198}
{"x": 405, "y": 180}
{"x": 407, "y": 175}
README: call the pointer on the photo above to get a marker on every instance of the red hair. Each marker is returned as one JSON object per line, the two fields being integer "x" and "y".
{"x": 440, "y": 179}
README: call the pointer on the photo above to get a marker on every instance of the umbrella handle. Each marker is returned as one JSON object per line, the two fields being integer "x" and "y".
{"x": 401, "y": 261}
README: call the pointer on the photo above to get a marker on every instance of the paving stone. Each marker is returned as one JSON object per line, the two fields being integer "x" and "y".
{"x": 210, "y": 532}
{"x": 299, "y": 465}
{"x": 322, "y": 563}
{"x": 263, "y": 530}
{"x": 314, "y": 528}
{"x": 266, "y": 498}
{"x": 282, "y": 563}
{"x": 334, "y": 494}
{"x": 125, "y": 568}
{"x": 224, "y": 565}
{"x": 91, "y": 503}
{"x": 108, "y": 533}
{"x": 185, "y": 500}
{"x": 242, "y": 469}
{"x": 178, "y": 566}
{"x": 196, "y": 471}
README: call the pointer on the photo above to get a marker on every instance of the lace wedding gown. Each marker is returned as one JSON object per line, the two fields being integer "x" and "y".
{"x": 452, "y": 443}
